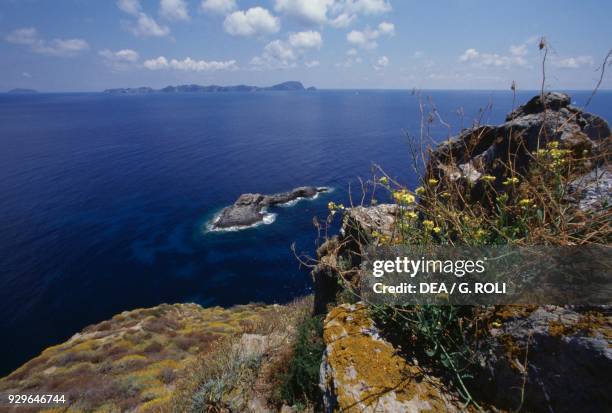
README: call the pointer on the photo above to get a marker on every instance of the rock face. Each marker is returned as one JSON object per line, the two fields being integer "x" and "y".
{"x": 249, "y": 209}
{"x": 362, "y": 373}
{"x": 487, "y": 150}
{"x": 561, "y": 357}
{"x": 593, "y": 190}
{"x": 358, "y": 225}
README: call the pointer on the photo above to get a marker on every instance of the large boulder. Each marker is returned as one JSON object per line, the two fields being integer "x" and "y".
{"x": 361, "y": 372}
{"x": 488, "y": 149}
{"x": 551, "y": 359}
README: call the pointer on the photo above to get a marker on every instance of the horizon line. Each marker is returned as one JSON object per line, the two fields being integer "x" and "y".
{"x": 36, "y": 91}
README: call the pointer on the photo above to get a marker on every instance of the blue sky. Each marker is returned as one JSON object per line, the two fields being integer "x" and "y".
{"x": 89, "y": 45}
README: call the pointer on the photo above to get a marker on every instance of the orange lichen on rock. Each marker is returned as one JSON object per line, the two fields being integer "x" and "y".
{"x": 362, "y": 372}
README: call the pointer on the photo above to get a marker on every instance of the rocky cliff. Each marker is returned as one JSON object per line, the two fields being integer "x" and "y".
{"x": 138, "y": 360}
{"x": 539, "y": 359}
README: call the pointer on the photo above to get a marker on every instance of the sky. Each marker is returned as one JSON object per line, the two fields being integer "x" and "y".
{"x": 91, "y": 45}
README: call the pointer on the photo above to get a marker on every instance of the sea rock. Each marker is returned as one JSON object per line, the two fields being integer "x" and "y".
{"x": 488, "y": 150}
{"x": 361, "y": 372}
{"x": 249, "y": 209}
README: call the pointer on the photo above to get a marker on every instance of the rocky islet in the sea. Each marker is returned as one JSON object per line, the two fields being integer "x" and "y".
{"x": 249, "y": 209}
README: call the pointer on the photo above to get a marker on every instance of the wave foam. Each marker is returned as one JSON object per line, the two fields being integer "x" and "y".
{"x": 291, "y": 203}
{"x": 268, "y": 219}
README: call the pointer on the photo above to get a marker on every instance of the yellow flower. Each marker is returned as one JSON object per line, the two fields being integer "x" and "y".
{"x": 428, "y": 224}
{"x": 511, "y": 181}
{"x": 403, "y": 196}
{"x": 553, "y": 145}
{"x": 525, "y": 202}
{"x": 445, "y": 195}
{"x": 384, "y": 180}
{"x": 411, "y": 215}
{"x": 437, "y": 230}
{"x": 432, "y": 182}
{"x": 419, "y": 191}
{"x": 480, "y": 233}
{"x": 488, "y": 178}
{"x": 331, "y": 206}
{"x": 540, "y": 153}
{"x": 496, "y": 324}
{"x": 375, "y": 234}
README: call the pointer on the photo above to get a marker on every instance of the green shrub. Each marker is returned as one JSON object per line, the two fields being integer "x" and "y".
{"x": 300, "y": 384}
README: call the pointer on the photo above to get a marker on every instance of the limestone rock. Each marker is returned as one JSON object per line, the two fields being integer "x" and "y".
{"x": 345, "y": 250}
{"x": 361, "y": 372}
{"x": 560, "y": 357}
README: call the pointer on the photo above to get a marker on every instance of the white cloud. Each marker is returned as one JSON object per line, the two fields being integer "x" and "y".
{"x": 381, "y": 63}
{"x": 28, "y": 36}
{"x": 477, "y": 58}
{"x": 129, "y": 6}
{"x": 352, "y": 58}
{"x": 368, "y": 7}
{"x": 386, "y": 28}
{"x": 312, "y": 63}
{"x": 120, "y": 60}
{"x": 255, "y": 21}
{"x": 469, "y": 54}
{"x": 146, "y": 26}
{"x": 26, "y": 74}
{"x": 366, "y": 39}
{"x": 573, "y": 62}
{"x": 173, "y": 10}
{"x": 123, "y": 55}
{"x": 305, "y": 40}
{"x": 280, "y": 54}
{"x": 337, "y": 13}
{"x": 307, "y": 11}
{"x": 156, "y": 64}
{"x": 518, "y": 50}
{"x": 342, "y": 20}
{"x": 188, "y": 64}
{"x": 276, "y": 55}
{"x": 219, "y": 6}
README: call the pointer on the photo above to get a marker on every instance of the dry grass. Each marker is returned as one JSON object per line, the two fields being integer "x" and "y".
{"x": 134, "y": 360}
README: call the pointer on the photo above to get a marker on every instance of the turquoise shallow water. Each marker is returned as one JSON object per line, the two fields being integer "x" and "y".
{"x": 105, "y": 199}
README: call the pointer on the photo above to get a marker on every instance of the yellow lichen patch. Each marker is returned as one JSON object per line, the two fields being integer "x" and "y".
{"x": 367, "y": 374}
{"x": 590, "y": 324}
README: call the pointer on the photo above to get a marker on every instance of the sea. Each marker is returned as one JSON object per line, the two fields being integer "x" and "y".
{"x": 106, "y": 200}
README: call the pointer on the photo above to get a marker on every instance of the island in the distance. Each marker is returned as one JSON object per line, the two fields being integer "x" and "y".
{"x": 285, "y": 86}
{"x": 22, "y": 90}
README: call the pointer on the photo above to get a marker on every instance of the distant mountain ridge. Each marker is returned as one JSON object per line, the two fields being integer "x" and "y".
{"x": 22, "y": 90}
{"x": 285, "y": 86}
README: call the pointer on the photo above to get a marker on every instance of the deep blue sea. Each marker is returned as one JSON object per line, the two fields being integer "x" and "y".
{"x": 104, "y": 199}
